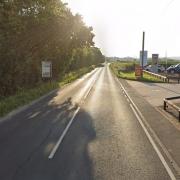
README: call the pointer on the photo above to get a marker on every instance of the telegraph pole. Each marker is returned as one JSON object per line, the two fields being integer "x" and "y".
{"x": 143, "y": 40}
{"x": 166, "y": 61}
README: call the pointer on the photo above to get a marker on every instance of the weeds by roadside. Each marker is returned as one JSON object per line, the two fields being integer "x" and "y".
{"x": 126, "y": 71}
{"x": 25, "y": 96}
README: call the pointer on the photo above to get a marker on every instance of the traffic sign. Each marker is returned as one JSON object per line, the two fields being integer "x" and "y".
{"x": 46, "y": 69}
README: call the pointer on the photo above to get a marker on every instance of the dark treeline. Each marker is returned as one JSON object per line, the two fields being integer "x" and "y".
{"x": 32, "y": 31}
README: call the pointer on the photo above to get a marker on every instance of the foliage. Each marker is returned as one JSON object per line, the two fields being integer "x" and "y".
{"x": 35, "y": 30}
{"x": 73, "y": 75}
{"x": 123, "y": 66}
{"x": 119, "y": 70}
{"x": 164, "y": 62}
{"x": 25, "y": 96}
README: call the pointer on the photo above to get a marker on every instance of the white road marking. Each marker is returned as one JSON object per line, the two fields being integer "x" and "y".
{"x": 173, "y": 162}
{"x": 69, "y": 124}
{"x": 87, "y": 93}
{"x": 154, "y": 145}
{"x": 135, "y": 110}
{"x": 63, "y": 135}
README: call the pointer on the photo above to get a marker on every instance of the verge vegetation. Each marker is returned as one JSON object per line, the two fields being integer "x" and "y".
{"x": 33, "y": 31}
{"x": 125, "y": 70}
{"x": 25, "y": 96}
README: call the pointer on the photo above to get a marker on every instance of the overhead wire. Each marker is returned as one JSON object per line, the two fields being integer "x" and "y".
{"x": 168, "y": 5}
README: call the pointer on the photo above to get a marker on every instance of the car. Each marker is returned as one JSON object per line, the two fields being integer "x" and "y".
{"x": 150, "y": 68}
{"x": 174, "y": 69}
{"x": 161, "y": 68}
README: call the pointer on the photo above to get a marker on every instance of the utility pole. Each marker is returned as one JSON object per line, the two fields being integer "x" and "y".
{"x": 166, "y": 61}
{"x": 142, "y": 60}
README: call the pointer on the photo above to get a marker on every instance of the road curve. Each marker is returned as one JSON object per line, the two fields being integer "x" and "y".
{"x": 105, "y": 140}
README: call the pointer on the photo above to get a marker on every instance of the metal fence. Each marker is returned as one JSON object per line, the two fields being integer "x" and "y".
{"x": 163, "y": 78}
{"x": 167, "y": 102}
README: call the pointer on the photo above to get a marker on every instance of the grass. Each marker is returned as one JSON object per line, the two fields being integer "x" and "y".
{"x": 125, "y": 70}
{"x": 69, "y": 77}
{"x": 26, "y": 96}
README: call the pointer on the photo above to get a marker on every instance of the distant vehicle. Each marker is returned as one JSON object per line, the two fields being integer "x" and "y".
{"x": 174, "y": 69}
{"x": 160, "y": 68}
{"x": 148, "y": 68}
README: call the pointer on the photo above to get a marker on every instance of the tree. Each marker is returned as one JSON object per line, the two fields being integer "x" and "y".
{"x": 36, "y": 30}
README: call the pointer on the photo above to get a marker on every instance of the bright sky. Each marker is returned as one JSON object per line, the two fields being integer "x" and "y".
{"x": 118, "y": 25}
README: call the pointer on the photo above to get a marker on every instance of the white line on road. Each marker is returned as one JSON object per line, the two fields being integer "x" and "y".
{"x": 154, "y": 145}
{"x": 137, "y": 111}
{"x": 88, "y": 92}
{"x": 85, "y": 96}
{"x": 173, "y": 162}
{"x": 69, "y": 124}
{"x": 63, "y": 135}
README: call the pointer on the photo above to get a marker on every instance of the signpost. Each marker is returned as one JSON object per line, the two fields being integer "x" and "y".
{"x": 46, "y": 69}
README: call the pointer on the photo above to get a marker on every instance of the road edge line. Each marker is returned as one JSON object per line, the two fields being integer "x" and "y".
{"x": 163, "y": 161}
{"x": 26, "y": 106}
{"x": 23, "y": 108}
{"x": 164, "y": 149}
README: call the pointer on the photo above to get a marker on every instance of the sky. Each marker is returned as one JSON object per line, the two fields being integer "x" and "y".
{"x": 119, "y": 24}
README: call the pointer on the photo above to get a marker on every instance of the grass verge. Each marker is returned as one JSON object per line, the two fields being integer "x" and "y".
{"x": 118, "y": 69}
{"x": 26, "y": 96}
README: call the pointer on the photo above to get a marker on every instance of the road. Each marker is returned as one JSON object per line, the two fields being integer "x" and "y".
{"x": 154, "y": 93}
{"x": 105, "y": 140}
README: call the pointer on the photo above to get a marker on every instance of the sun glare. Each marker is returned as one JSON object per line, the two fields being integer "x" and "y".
{"x": 118, "y": 24}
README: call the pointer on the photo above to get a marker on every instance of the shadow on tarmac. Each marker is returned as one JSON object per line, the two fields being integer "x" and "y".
{"x": 28, "y": 138}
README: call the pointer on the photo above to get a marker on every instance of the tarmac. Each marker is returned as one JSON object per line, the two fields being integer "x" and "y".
{"x": 154, "y": 93}
{"x": 149, "y": 99}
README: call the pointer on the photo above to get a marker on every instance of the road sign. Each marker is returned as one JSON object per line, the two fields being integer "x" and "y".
{"x": 155, "y": 58}
{"x": 46, "y": 69}
{"x": 145, "y": 59}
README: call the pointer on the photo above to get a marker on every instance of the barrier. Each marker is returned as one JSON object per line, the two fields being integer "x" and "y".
{"x": 173, "y": 77}
{"x": 167, "y": 101}
{"x": 164, "y": 78}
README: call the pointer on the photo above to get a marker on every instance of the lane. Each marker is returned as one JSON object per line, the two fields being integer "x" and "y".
{"x": 121, "y": 149}
{"x": 105, "y": 142}
{"x": 37, "y": 129}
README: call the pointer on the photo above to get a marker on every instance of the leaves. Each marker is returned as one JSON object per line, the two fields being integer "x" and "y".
{"x": 35, "y": 30}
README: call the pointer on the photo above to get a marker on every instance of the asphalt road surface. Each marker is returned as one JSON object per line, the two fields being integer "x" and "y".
{"x": 105, "y": 140}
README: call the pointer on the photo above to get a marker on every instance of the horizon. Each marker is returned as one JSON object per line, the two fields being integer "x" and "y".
{"x": 160, "y": 57}
{"x": 118, "y": 25}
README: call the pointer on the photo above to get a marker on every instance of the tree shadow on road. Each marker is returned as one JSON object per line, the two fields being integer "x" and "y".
{"x": 39, "y": 136}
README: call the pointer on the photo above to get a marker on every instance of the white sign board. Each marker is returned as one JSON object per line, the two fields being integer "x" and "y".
{"x": 155, "y": 58}
{"x": 46, "y": 69}
{"x": 145, "y": 59}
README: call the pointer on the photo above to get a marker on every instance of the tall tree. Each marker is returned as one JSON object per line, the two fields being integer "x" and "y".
{"x": 36, "y": 30}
